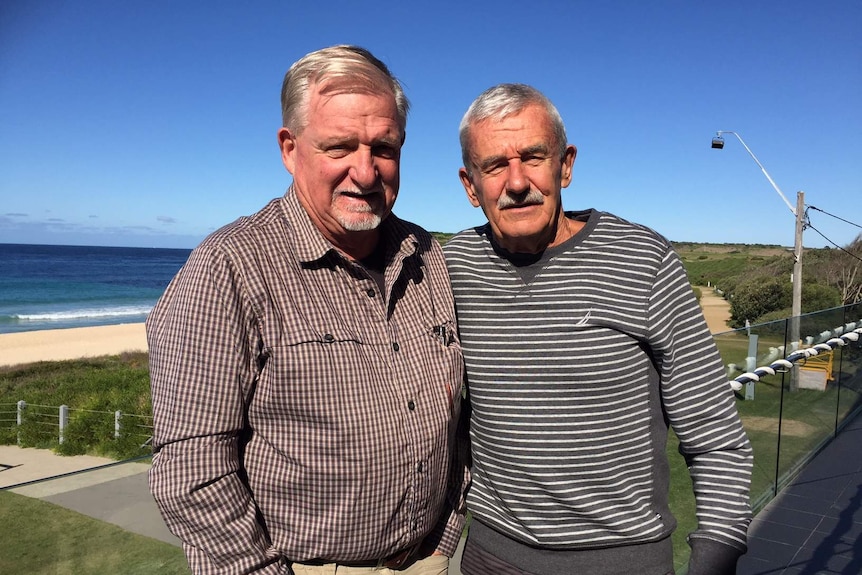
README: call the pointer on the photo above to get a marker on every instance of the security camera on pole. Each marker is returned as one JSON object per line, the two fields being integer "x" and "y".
{"x": 796, "y": 278}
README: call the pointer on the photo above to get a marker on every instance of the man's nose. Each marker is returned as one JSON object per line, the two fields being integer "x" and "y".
{"x": 363, "y": 172}
{"x": 516, "y": 178}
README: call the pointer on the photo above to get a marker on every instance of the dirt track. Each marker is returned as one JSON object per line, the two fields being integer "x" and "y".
{"x": 716, "y": 310}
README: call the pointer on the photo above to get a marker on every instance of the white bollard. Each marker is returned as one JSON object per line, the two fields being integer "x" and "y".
{"x": 64, "y": 421}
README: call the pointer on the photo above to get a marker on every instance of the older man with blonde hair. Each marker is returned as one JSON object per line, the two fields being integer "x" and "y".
{"x": 306, "y": 373}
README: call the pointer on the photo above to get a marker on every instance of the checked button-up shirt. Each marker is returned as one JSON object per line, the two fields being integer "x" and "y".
{"x": 299, "y": 413}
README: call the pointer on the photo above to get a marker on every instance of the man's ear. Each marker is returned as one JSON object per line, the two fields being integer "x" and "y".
{"x": 568, "y": 162}
{"x": 287, "y": 143}
{"x": 464, "y": 175}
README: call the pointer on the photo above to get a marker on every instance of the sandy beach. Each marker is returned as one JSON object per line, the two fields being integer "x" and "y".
{"x": 73, "y": 343}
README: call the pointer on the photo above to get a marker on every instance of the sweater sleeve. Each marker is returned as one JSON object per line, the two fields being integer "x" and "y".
{"x": 701, "y": 408}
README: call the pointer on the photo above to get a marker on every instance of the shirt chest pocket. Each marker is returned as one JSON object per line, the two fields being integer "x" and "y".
{"x": 309, "y": 374}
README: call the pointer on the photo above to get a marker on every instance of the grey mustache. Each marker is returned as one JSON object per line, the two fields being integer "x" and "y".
{"x": 532, "y": 197}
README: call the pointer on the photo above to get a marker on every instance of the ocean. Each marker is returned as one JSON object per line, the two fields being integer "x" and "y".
{"x": 52, "y": 287}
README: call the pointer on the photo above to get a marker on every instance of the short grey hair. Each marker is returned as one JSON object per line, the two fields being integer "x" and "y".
{"x": 501, "y": 101}
{"x": 342, "y": 68}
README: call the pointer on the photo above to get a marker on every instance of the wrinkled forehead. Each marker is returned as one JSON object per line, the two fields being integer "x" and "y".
{"x": 515, "y": 133}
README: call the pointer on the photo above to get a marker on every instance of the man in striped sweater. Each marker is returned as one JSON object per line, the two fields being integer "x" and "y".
{"x": 583, "y": 341}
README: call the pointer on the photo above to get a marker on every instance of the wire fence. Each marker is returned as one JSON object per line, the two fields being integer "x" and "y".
{"x": 77, "y": 430}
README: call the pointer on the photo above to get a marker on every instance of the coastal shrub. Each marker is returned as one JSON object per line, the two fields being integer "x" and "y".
{"x": 93, "y": 389}
{"x": 754, "y": 299}
{"x": 816, "y": 297}
{"x": 716, "y": 272}
{"x": 764, "y": 299}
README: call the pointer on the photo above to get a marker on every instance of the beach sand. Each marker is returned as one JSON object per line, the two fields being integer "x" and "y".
{"x": 73, "y": 343}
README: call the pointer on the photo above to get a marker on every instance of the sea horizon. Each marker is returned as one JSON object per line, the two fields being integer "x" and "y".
{"x": 49, "y": 286}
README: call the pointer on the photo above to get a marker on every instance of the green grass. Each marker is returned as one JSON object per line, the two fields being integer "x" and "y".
{"x": 40, "y": 538}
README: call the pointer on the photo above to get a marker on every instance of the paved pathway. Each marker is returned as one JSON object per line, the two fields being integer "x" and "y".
{"x": 111, "y": 491}
{"x": 716, "y": 310}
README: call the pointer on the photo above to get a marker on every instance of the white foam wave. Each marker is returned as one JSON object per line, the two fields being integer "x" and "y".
{"x": 80, "y": 314}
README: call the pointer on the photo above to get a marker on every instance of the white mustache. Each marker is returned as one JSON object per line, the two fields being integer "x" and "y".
{"x": 532, "y": 197}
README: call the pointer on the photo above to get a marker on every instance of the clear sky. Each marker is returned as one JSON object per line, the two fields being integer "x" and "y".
{"x": 154, "y": 123}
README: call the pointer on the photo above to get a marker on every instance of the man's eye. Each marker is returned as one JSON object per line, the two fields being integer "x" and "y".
{"x": 337, "y": 151}
{"x": 494, "y": 169}
{"x": 387, "y": 152}
{"x": 534, "y": 160}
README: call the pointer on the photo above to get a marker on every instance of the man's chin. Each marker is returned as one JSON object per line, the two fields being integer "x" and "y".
{"x": 360, "y": 222}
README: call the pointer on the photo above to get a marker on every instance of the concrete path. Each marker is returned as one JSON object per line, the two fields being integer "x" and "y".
{"x": 102, "y": 488}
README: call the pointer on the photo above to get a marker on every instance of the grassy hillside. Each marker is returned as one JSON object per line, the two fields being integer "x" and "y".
{"x": 724, "y": 265}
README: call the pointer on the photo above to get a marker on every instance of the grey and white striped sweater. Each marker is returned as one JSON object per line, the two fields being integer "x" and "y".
{"x": 573, "y": 375}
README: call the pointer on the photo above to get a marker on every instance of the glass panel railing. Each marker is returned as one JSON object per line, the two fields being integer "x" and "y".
{"x": 791, "y": 412}
{"x": 848, "y": 366}
{"x": 808, "y": 416}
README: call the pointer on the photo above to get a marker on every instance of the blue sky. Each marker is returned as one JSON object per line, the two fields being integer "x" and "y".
{"x": 154, "y": 123}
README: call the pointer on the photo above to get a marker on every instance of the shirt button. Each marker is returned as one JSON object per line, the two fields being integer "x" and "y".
{"x": 370, "y": 293}
{"x": 328, "y": 338}
{"x": 395, "y": 346}
{"x": 419, "y": 467}
{"x": 411, "y": 405}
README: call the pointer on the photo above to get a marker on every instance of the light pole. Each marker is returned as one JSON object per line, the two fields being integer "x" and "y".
{"x": 799, "y": 213}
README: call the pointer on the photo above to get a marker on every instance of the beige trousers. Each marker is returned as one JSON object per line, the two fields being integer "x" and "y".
{"x": 433, "y": 565}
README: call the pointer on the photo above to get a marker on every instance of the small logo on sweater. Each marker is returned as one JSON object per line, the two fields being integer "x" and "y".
{"x": 584, "y": 320}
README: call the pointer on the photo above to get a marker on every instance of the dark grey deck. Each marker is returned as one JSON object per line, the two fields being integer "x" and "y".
{"x": 814, "y": 526}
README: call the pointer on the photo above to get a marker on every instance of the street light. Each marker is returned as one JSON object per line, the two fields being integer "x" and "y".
{"x": 799, "y": 212}
{"x": 718, "y": 143}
